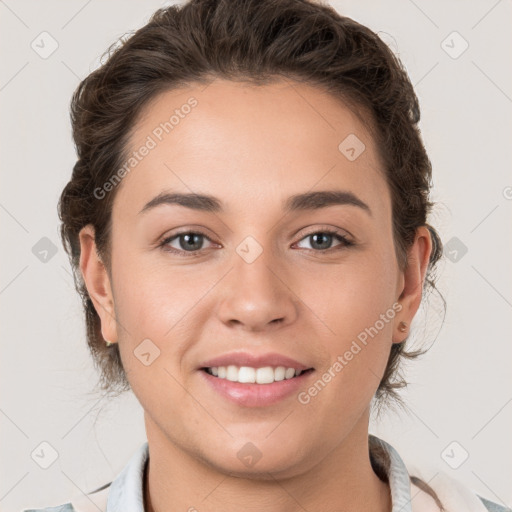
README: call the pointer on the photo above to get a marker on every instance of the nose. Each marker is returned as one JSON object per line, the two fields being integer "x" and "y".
{"x": 257, "y": 296}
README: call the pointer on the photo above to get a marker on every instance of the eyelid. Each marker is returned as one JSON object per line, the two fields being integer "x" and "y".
{"x": 325, "y": 228}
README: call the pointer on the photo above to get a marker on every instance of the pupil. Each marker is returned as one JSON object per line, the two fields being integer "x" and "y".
{"x": 191, "y": 241}
{"x": 322, "y": 235}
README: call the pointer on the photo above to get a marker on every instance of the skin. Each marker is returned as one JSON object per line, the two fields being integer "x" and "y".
{"x": 252, "y": 147}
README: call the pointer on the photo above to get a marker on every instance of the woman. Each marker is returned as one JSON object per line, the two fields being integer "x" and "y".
{"x": 247, "y": 223}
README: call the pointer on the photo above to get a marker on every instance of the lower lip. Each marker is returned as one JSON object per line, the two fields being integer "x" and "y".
{"x": 256, "y": 395}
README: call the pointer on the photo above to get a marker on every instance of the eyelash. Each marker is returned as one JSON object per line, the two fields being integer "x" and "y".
{"x": 187, "y": 254}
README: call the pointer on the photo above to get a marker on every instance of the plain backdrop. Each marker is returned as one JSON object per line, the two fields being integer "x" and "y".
{"x": 460, "y": 393}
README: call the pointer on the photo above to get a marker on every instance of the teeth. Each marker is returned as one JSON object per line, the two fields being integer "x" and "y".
{"x": 246, "y": 374}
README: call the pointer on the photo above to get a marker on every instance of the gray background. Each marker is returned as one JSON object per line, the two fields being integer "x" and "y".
{"x": 460, "y": 392}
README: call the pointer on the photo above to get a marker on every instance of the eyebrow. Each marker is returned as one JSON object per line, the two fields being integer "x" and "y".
{"x": 299, "y": 202}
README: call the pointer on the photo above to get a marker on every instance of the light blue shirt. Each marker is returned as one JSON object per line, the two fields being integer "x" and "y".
{"x": 125, "y": 493}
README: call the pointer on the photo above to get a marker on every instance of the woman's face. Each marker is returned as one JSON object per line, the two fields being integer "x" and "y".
{"x": 262, "y": 276}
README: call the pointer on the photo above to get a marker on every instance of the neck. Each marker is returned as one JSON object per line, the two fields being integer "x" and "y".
{"x": 343, "y": 481}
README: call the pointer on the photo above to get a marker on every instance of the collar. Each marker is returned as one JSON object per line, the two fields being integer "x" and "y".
{"x": 126, "y": 491}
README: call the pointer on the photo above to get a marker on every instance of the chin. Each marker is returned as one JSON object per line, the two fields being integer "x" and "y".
{"x": 251, "y": 463}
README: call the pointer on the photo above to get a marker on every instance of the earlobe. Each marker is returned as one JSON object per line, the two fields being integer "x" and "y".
{"x": 97, "y": 282}
{"x": 414, "y": 275}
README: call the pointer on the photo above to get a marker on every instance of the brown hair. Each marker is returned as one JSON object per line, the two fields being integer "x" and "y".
{"x": 257, "y": 41}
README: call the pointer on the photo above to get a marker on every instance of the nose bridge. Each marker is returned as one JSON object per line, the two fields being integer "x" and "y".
{"x": 255, "y": 294}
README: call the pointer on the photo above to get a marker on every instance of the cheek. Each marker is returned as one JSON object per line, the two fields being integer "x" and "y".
{"x": 352, "y": 295}
{"x": 353, "y": 305}
{"x": 154, "y": 312}
{"x": 162, "y": 303}
{"x": 146, "y": 296}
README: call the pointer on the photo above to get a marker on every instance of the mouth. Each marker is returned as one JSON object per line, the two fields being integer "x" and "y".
{"x": 247, "y": 386}
{"x": 252, "y": 375}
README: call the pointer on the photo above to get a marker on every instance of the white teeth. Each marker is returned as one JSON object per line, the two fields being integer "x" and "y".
{"x": 265, "y": 375}
{"x": 279, "y": 373}
{"x": 246, "y": 374}
{"x": 232, "y": 373}
{"x": 290, "y": 372}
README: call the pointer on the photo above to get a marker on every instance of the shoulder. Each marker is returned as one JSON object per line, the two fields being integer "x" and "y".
{"x": 95, "y": 501}
{"x": 491, "y": 506}
{"x": 67, "y": 507}
{"x": 452, "y": 493}
{"x": 122, "y": 493}
{"x": 427, "y": 488}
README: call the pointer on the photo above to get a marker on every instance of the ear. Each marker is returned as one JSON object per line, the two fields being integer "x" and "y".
{"x": 412, "y": 280}
{"x": 97, "y": 282}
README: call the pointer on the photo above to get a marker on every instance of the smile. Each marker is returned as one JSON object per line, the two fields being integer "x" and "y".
{"x": 247, "y": 374}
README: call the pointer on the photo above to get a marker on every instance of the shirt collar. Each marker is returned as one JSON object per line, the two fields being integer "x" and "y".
{"x": 398, "y": 476}
{"x": 126, "y": 491}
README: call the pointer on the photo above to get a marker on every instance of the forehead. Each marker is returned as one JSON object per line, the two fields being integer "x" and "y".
{"x": 249, "y": 144}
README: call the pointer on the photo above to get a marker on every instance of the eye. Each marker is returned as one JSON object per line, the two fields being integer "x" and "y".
{"x": 191, "y": 243}
{"x": 188, "y": 241}
{"x": 322, "y": 240}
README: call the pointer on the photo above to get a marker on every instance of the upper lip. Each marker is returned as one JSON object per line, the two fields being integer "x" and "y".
{"x": 254, "y": 360}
